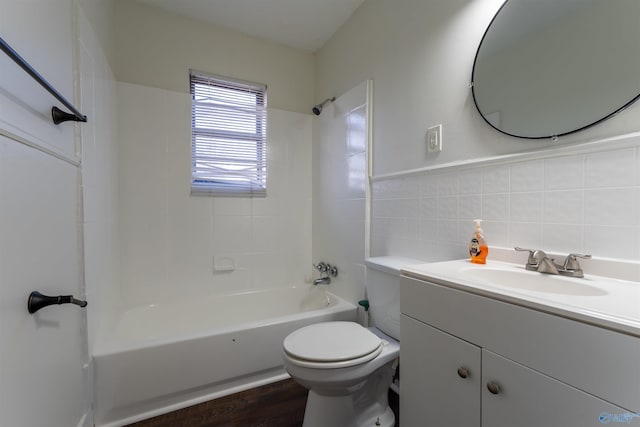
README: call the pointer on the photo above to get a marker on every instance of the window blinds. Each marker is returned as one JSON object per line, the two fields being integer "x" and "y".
{"x": 228, "y": 136}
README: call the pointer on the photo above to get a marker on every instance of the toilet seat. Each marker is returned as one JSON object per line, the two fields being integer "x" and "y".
{"x": 332, "y": 345}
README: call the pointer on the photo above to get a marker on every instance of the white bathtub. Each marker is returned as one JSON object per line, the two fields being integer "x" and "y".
{"x": 159, "y": 358}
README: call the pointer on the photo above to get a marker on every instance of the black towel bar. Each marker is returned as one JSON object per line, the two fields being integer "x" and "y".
{"x": 57, "y": 115}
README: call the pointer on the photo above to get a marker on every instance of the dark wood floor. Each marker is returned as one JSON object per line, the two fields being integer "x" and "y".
{"x": 279, "y": 404}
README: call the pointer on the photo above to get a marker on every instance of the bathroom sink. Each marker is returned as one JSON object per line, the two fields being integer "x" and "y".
{"x": 597, "y": 300}
{"x": 523, "y": 280}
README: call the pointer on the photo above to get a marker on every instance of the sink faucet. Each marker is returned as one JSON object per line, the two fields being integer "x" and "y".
{"x": 539, "y": 261}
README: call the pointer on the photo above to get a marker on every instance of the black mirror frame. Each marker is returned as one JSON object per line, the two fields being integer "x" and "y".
{"x": 552, "y": 137}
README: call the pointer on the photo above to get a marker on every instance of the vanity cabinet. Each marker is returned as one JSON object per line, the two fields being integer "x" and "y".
{"x": 527, "y": 398}
{"x": 456, "y": 346}
{"x": 440, "y": 377}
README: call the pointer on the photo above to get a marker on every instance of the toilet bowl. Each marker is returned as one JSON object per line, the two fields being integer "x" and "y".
{"x": 346, "y": 367}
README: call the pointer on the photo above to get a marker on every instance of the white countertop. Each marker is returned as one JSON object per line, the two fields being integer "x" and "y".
{"x": 608, "y": 303}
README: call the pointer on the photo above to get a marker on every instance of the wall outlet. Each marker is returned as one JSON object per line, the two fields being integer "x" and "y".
{"x": 434, "y": 139}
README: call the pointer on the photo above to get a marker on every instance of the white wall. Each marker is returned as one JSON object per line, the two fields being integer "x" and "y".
{"x": 339, "y": 190}
{"x": 99, "y": 152}
{"x": 101, "y": 14}
{"x": 25, "y": 107}
{"x": 562, "y": 97}
{"x": 420, "y": 56}
{"x": 157, "y": 48}
{"x": 59, "y": 225}
{"x": 170, "y": 238}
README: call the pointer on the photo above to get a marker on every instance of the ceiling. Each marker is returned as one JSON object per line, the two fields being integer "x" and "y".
{"x": 302, "y": 24}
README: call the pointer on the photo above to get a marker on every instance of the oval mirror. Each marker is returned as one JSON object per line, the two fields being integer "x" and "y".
{"x": 547, "y": 68}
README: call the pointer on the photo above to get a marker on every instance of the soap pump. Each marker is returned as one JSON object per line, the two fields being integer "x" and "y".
{"x": 478, "y": 249}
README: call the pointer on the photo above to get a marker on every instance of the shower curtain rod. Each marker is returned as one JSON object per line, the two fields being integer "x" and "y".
{"x": 58, "y": 115}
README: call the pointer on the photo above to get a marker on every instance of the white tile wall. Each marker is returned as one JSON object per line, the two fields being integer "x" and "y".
{"x": 587, "y": 203}
{"x": 339, "y": 204}
{"x": 170, "y": 238}
{"x": 99, "y": 149}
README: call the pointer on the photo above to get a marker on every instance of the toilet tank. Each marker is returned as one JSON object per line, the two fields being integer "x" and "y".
{"x": 383, "y": 292}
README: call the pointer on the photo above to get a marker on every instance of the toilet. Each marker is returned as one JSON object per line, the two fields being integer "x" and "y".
{"x": 348, "y": 368}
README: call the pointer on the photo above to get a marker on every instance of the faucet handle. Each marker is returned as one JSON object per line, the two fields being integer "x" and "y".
{"x": 326, "y": 269}
{"x": 321, "y": 267}
{"x": 571, "y": 262}
{"x": 536, "y": 257}
{"x": 519, "y": 249}
{"x": 533, "y": 260}
{"x": 332, "y": 270}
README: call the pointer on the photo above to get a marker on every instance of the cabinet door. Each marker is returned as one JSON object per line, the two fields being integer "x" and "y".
{"x": 433, "y": 392}
{"x": 527, "y": 398}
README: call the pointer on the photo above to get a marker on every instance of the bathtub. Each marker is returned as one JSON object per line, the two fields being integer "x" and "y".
{"x": 162, "y": 357}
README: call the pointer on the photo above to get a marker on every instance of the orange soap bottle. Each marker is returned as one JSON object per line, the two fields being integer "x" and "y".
{"x": 478, "y": 249}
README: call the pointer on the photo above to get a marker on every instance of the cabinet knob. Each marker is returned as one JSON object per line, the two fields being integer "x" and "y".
{"x": 493, "y": 388}
{"x": 463, "y": 372}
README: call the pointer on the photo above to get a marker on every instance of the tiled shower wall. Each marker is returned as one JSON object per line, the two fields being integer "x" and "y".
{"x": 176, "y": 245}
{"x": 585, "y": 202}
{"x": 339, "y": 194}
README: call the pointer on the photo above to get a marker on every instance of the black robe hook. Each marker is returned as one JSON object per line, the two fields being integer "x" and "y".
{"x": 37, "y": 301}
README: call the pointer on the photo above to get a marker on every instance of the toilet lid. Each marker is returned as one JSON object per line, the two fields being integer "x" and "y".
{"x": 332, "y": 342}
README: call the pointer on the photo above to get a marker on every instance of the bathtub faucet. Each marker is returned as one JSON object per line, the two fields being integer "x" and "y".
{"x": 326, "y": 270}
{"x": 325, "y": 280}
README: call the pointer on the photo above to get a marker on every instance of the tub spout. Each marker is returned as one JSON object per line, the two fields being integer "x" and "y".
{"x": 322, "y": 281}
{"x": 325, "y": 270}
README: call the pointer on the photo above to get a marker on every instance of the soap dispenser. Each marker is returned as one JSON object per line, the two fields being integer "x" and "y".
{"x": 478, "y": 249}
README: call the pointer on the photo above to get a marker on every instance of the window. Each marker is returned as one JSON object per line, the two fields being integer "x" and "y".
{"x": 228, "y": 136}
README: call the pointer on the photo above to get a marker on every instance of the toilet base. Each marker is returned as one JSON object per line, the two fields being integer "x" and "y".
{"x": 363, "y": 405}
{"x": 323, "y": 411}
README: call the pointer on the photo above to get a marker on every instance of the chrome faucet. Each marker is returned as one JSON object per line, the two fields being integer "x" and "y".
{"x": 325, "y": 270}
{"x": 324, "y": 280}
{"x": 539, "y": 261}
{"x": 547, "y": 265}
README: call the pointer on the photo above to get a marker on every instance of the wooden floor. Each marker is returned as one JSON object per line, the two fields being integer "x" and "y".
{"x": 279, "y": 404}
